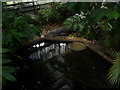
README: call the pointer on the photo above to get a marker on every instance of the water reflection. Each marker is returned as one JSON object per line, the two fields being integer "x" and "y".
{"x": 59, "y": 67}
{"x": 48, "y": 52}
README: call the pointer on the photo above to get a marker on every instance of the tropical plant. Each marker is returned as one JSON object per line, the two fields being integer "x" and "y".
{"x": 18, "y": 29}
{"x": 74, "y": 22}
{"x": 78, "y": 7}
{"x": 32, "y": 19}
{"x": 100, "y": 23}
{"x": 7, "y": 70}
{"x": 53, "y": 12}
{"x": 114, "y": 72}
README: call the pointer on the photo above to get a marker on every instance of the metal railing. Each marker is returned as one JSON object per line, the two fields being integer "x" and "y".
{"x": 22, "y": 7}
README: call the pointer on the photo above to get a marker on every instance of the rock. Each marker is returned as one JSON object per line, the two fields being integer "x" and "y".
{"x": 59, "y": 32}
{"x": 77, "y": 46}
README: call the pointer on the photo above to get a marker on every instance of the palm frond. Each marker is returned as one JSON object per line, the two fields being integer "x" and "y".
{"x": 114, "y": 72}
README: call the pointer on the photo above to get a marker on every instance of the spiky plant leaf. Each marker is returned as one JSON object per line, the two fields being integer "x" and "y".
{"x": 114, "y": 72}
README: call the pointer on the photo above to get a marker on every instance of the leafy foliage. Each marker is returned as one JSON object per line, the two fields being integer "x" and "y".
{"x": 74, "y": 22}
{"x": 32, "y": 19}
{"x": 53, "y": 12}
{"x": 18, "y": 29}
{"x": 100, "y": 23}
{"x": 114, "y": 72}
{"x": 7, "y": 70}
{"x": 77, "y": 7}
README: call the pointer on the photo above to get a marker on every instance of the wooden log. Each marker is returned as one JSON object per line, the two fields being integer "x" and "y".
{"x": 57, "y": 38}
{"x": 94, "y": 47}
{"x": 58, "y": 32}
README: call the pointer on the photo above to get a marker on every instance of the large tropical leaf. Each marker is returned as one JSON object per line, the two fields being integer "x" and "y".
{"x": 114, "y": 72}
{"x": 4, "y": 50}
{"x": 5, "y": 61}
{"x": 7, "y": 73}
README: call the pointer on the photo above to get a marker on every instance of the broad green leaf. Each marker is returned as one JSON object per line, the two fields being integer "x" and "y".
{"x": 75, "y": 26}
{"x": 8, "y": 69}
{"x": 28, "y": 35}
{"x": 72, "y": 6}
{"x": 4, "y": 50}
{"x": 82, "y": 25}
{"x": 6, "y": 73}
{"x": 7, "y": 37}
{"x": 70, "y": 20}
{"x": 115, "y": 14}
{"x": 69, "y": 27}
{"x": 98, "y": 14}
{"x": 9, "y": 77}
{"x": 18, "y": 36}
{"x": 5, "y": 61}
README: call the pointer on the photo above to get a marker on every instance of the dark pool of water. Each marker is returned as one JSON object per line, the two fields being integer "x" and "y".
{"x": 55, "y": 66}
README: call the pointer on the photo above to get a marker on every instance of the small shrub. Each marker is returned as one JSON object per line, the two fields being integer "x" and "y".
{"x": 18, "y": 29}
{"x": 101, "y": 22}
{"x": 53, "y": 12}
{"x": 7, "y": 70}
{"x": 74, "y": 22}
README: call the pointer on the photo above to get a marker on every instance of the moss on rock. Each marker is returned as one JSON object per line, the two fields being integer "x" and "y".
{"x": 77, "y": 46}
